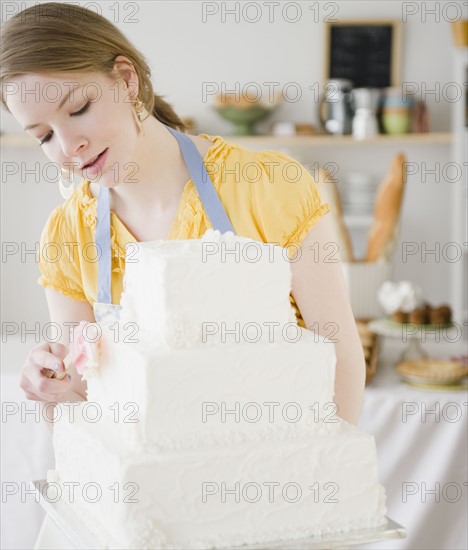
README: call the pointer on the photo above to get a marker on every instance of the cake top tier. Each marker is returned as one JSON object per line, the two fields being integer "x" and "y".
{"x": 220, "y": 278}
{"x": 212, "y": 246}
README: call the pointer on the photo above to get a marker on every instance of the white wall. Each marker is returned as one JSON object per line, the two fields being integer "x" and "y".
{"x": 185, "y": 52}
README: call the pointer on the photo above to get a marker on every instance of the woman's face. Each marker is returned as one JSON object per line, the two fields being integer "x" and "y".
{"x": 76, "y": 117}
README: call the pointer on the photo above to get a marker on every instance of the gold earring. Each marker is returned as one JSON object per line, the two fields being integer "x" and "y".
{"x": 138, "y": 111}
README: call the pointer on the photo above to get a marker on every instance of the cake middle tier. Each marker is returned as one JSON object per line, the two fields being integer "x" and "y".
{"x": 194, "y": 397}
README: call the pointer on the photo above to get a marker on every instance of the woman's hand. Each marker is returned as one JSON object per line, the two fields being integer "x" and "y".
{"x": 41, "y": 363}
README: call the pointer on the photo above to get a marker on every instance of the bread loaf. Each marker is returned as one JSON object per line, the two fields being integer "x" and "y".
{"x": 383, "y": 234}
{"x": 330, "y": 193}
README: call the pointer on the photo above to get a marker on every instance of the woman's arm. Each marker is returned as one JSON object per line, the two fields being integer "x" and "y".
{"x": 66, "y": 310}
{"x": 319, "y": 290}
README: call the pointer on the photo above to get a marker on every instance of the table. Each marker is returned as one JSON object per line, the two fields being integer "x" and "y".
{"x": 422, "y": 454}
{"x": 26, "y": 454}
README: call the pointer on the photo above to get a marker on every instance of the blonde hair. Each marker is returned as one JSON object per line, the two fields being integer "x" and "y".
{"x": 59, "y": 37}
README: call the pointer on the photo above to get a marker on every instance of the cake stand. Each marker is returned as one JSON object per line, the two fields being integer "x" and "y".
{"x": 81, "y": 539}
{"x": 412, "y": 334}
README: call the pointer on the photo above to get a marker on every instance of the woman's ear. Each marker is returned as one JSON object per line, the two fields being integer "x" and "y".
{"x": 124, "y": 69}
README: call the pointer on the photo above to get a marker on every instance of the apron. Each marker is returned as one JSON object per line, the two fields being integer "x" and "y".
{"x": 104, "y": 310}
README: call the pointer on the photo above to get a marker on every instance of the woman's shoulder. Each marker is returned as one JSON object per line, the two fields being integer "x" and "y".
{"x": 222, "y": 147}
{"x": 235, "y": 163}
{"x": 60, "y": 256}
{"x": 269, "y": 195}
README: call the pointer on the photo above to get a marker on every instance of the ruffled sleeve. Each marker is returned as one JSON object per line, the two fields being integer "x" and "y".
{"x": 286, "y": 200}
{"x": 58, "y": 258}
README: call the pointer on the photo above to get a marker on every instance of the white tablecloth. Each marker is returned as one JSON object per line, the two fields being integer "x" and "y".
{"x": 26, "y": 454}
{"x": 410, "y": 451}
{"x": 422, "y": 456}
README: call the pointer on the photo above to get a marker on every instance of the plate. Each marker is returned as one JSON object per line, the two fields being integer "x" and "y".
{"x": 420, "y": 326}
{"x": 435, "y": 386}
{"x": 440, "y": 372}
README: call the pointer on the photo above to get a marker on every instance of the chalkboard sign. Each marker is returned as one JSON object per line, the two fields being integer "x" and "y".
{"x": 365, "y": 52}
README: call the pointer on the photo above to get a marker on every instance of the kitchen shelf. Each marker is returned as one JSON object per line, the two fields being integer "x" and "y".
{"x": 319, "y": 139}
{"x": 23, "y": 140}
{"x": 18, "y": 140}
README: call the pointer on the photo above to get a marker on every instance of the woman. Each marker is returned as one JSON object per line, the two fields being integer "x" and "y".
{"x": 103, "y": 104}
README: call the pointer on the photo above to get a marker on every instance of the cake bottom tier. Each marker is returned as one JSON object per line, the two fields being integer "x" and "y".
{"x": 278, "y": 489}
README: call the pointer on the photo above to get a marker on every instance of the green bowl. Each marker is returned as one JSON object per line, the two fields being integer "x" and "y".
{"x": 244, "y": 119}
{"x": 396, "y": 123}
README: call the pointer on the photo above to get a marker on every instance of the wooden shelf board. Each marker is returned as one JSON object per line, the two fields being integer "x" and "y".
{"x": 427, "y": 138}
{"x": 23, "y": 140}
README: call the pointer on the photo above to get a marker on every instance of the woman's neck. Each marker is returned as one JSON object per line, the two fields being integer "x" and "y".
{"x": 160, "y": 171}
{"x": 157, "y": 176}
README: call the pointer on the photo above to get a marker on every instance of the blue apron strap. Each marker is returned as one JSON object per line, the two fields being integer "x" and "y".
{"x": 206, "y": 191}
{"x": 103, "y": 244}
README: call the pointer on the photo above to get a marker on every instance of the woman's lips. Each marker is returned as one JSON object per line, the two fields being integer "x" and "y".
{"x": 96, "y": 167}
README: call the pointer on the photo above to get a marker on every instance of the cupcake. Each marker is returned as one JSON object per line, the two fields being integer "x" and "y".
{"x": 400, "y": 316}
{"x": 418, "y": 316}
{"x": 440, "y": 315}
{"x": 428, "y": 308}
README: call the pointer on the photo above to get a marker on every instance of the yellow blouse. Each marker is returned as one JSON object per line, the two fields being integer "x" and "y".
{"x": 268, "y": 196}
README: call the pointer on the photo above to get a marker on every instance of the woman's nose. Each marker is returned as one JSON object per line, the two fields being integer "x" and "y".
{"x": 72, "y": 148}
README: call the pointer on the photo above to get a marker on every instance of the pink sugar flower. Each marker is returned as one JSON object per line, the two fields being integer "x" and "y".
{"x": 84, "y": 351}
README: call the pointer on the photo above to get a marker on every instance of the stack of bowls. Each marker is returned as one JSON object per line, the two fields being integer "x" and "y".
{"x": 359, "y": 194}
{"x": 396, "y": 111}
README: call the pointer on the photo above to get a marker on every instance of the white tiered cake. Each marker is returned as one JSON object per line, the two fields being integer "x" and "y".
{"x": 210, "y": 418}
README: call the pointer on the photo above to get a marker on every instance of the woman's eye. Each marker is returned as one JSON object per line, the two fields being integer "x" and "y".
{"x": 46, "y": 139}
{"x": 80, "y": 112}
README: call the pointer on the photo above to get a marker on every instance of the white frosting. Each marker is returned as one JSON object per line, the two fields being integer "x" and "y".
{"x": 183, "y": 498}
{"x": 172, "y": 410}
{"x": 183, "y": 397}
{"x": 175, "y": 289}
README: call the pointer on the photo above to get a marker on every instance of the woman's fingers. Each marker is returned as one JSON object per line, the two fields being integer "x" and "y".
{"x": 48, "y": 388}
{"x": 40, "y": 364}
{"x": 46, "y": 360}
